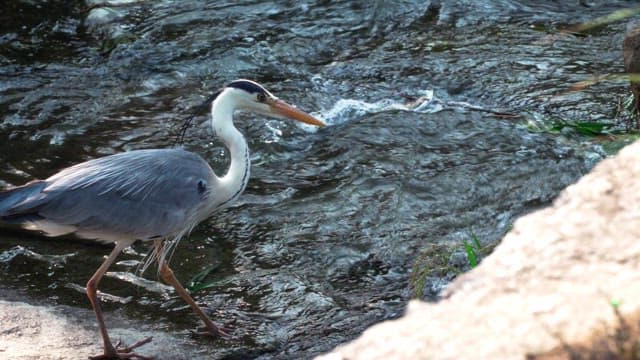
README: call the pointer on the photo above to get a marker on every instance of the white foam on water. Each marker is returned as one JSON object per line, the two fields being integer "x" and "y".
{"x": 346, "y": 110}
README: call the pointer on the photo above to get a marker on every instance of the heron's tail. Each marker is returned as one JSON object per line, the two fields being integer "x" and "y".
{"x": 16, "y": 204}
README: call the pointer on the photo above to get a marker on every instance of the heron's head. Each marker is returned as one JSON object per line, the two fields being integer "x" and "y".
{"x": 251, "y": 96}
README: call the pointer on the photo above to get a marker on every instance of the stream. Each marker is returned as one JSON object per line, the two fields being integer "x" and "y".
{"x": 322, "y": 243}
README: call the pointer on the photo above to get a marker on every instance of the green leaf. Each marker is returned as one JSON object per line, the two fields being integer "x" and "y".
{"x": 196, "y": 282}
{"x": 589, "y": 128}
{"x": 471, "y": 254}
{"x": 476, "y": 242}
{"x": 615, "y": 303}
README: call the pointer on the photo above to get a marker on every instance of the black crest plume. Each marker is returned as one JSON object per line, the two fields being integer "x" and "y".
{"x": 188, "y": 122}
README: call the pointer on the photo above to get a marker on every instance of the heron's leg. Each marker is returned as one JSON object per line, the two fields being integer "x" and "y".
{"x": 110, "y": 351}
{"x": 167, "y": 275}
{"x": 92, "y": 292}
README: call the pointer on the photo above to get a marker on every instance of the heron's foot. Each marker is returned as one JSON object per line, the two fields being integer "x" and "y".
{"x": 125, "y": 352}
{"x": 215, "y": 331}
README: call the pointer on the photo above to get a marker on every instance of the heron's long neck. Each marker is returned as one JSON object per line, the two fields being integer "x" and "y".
{"x": 235, "y": 180}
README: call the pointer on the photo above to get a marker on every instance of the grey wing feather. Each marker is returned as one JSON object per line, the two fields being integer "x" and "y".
{"x": 12, "y": 198}
{"x": 134, "y": 195}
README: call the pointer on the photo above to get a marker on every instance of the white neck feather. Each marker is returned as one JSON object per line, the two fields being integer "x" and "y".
{"x": 232, "y": 184}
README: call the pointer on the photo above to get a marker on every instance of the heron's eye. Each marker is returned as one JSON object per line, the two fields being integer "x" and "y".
{"x": 262, "y": 97}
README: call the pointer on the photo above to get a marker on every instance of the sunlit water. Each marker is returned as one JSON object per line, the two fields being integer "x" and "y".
{"x": 321, "y": 244}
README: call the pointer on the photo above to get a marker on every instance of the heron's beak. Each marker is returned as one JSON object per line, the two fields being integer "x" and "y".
{"x": 283, "y": 109}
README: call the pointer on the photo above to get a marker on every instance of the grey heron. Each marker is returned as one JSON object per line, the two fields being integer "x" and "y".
{"x": 154, "y": 195}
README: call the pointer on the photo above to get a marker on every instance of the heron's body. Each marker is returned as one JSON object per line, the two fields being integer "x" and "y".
{"x": 148, "y": 195}
{"x": 166, "y": 191}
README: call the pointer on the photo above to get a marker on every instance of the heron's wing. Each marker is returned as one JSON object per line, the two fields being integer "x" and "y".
{"x": 135, "y": 195}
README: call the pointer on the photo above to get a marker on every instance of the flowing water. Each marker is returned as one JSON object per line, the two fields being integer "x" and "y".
{"x": 322, "y": 243}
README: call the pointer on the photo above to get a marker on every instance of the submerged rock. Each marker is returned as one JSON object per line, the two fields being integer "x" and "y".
{"x": 631, "y": 53}
{"x": 561, "y": 274}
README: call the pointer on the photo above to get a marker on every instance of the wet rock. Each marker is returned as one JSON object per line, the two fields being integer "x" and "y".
{"x": 550, "y": 283}
{"x": 107, "y": 22}
{"x": 60, "y": 332}
{"x": 101, "y": 16}
{"x": 103, "y": 24}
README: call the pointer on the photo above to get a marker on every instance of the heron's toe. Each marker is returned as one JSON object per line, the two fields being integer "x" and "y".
{"x": 223, "y": 332}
